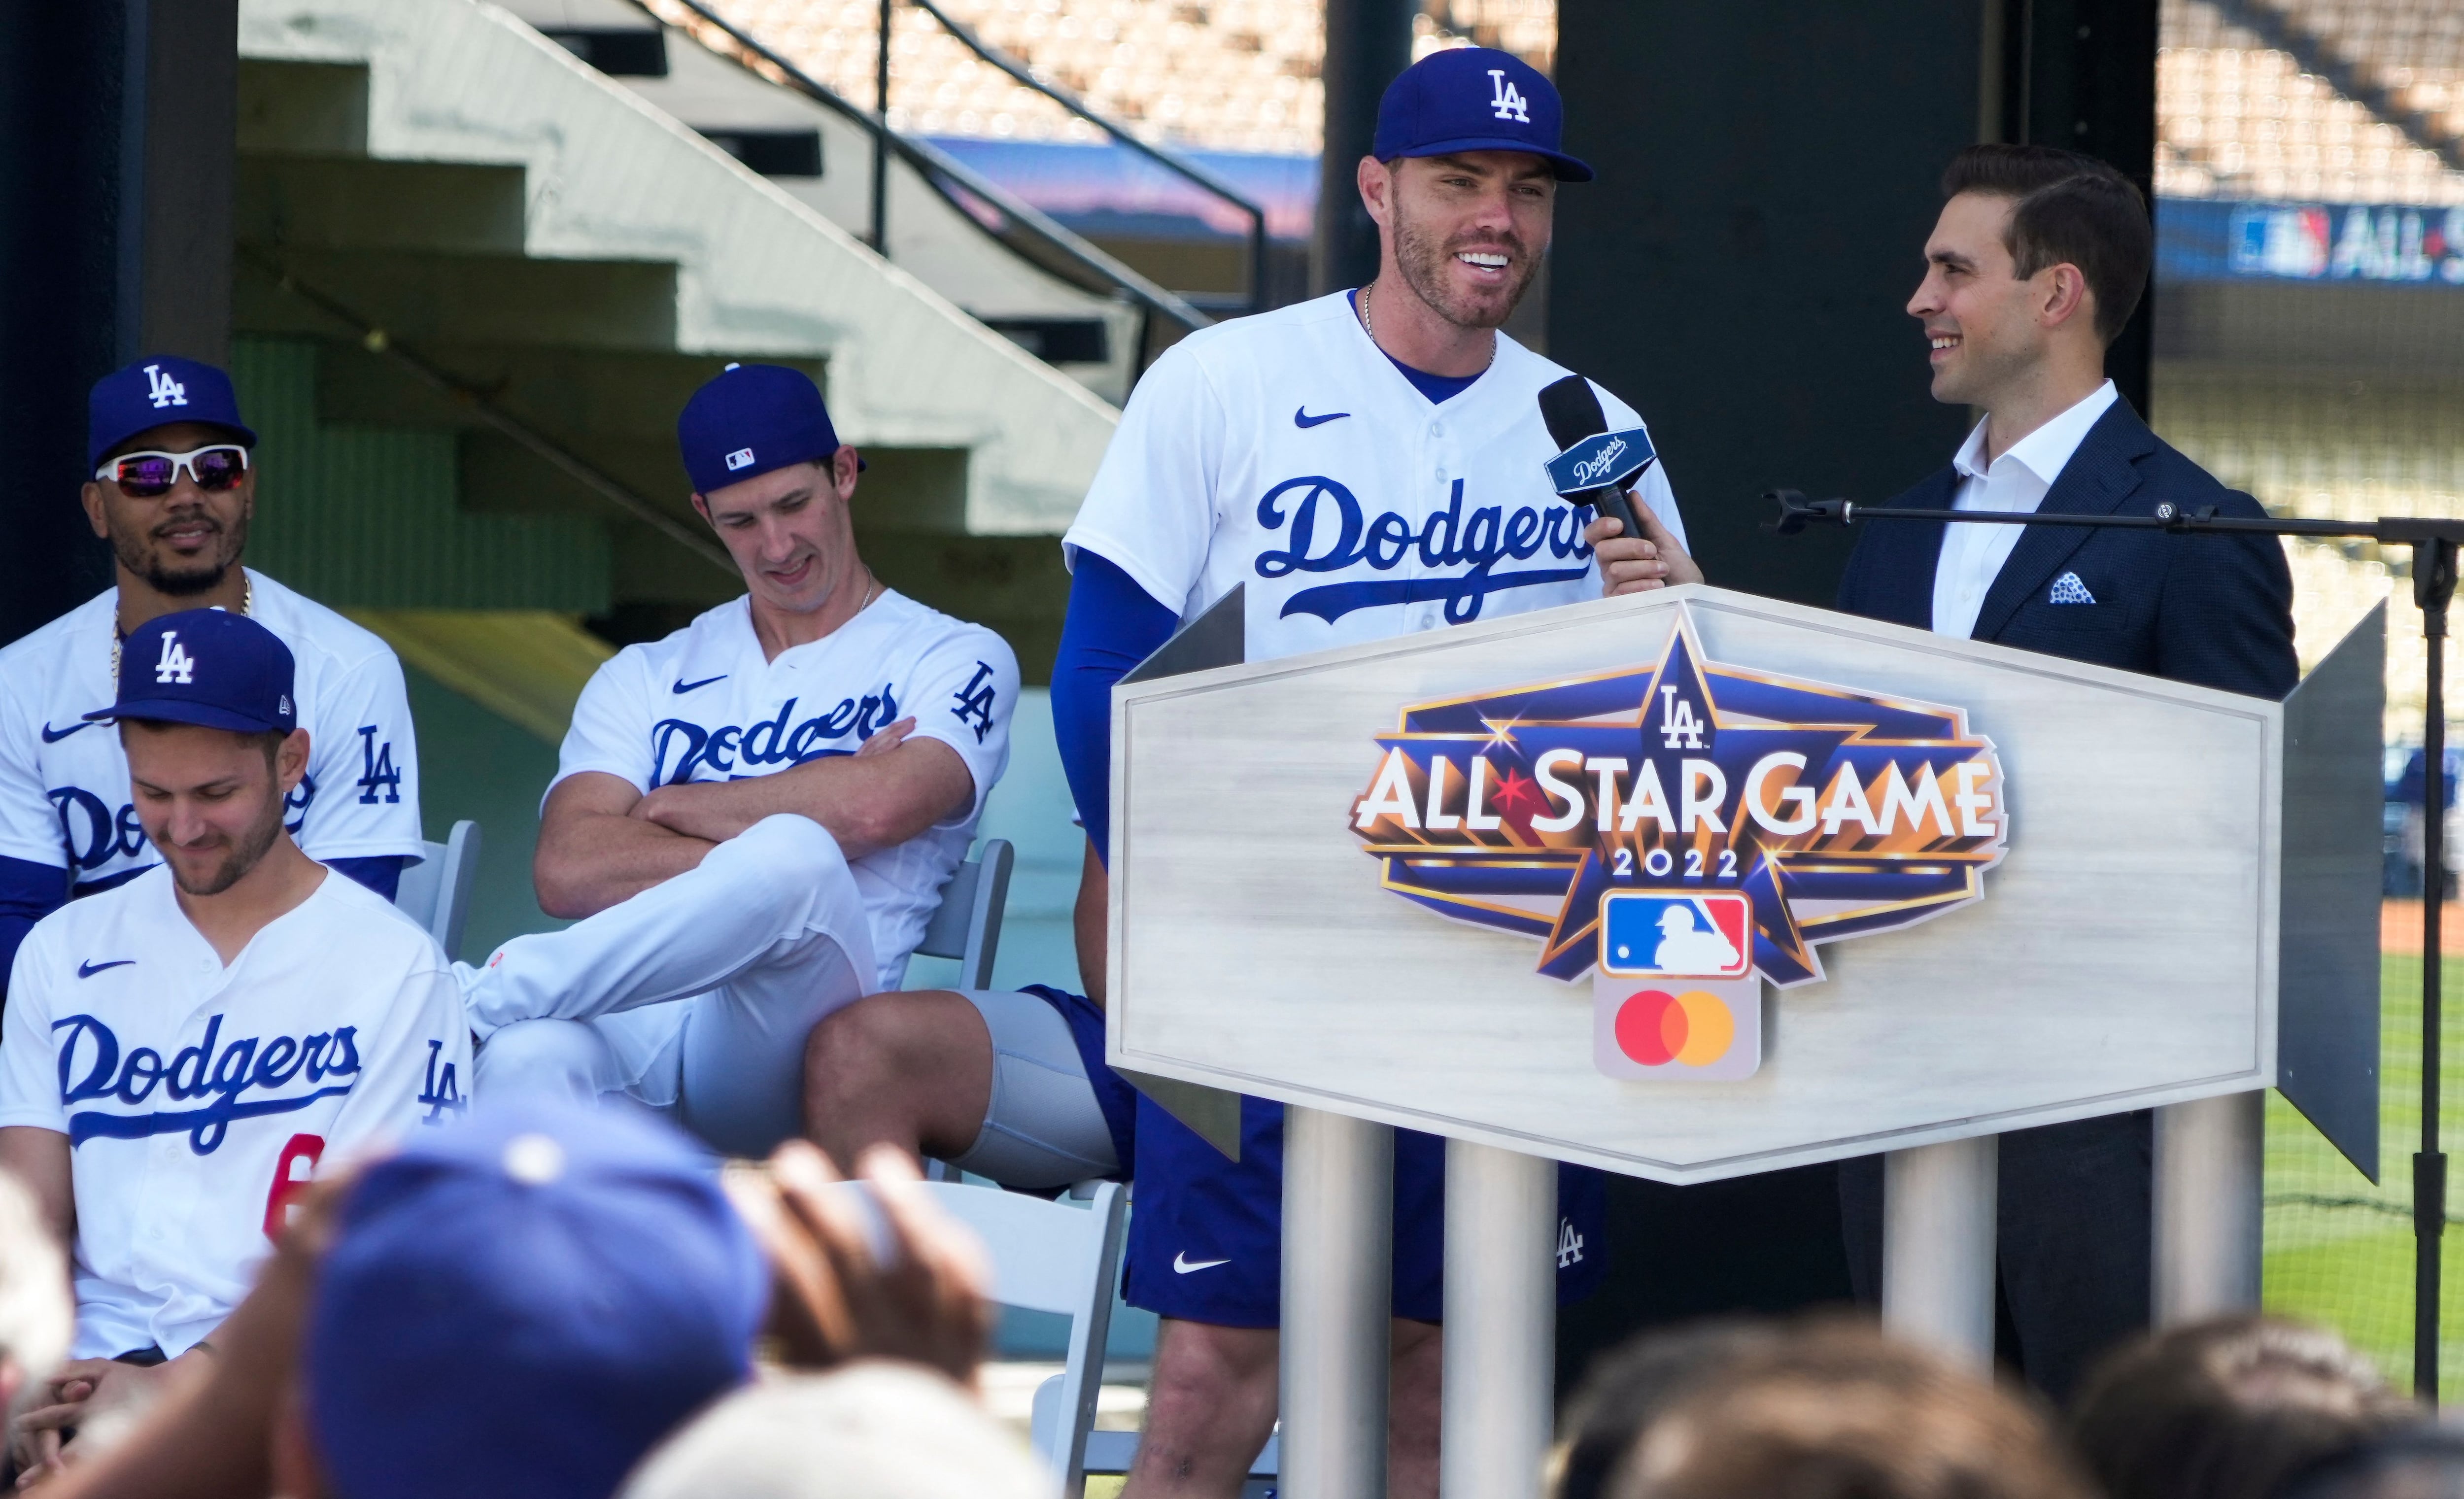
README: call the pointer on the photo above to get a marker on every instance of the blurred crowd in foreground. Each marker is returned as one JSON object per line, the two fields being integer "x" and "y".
{"x": 569, "y": 1305}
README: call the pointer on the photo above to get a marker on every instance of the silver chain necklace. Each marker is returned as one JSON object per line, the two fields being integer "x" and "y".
{"x": 1370, "y": 328}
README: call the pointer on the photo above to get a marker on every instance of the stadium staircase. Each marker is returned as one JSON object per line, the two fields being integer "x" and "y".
{"x": 477, "y": 276}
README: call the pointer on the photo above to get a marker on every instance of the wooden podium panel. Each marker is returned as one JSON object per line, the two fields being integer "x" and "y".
{"x": 2124, "y": 953}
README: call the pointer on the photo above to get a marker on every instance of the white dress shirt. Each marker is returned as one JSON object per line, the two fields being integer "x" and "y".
{"x": 2014, "y": 483}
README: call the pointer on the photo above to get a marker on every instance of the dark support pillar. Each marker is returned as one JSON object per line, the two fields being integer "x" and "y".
{"x": 116, "y": 145}
{"x": 1741, "y": 270}
{"x": 1367, "y": 43}
{"x": 2081, "y": 75}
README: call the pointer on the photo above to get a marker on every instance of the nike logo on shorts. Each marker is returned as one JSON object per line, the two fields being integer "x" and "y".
{"x": 682, "y": 686}
{"x": 1304, "y": 421}
{"x": 89, "y": 968}
{"x": 1182, "y": 1264}
{"x": 51, "y": 736}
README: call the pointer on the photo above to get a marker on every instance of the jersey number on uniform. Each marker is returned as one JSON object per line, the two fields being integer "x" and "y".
{"x": 975, "y": 702}
{"x": 292, "y": 1171}
{"x": 377, "y": 772}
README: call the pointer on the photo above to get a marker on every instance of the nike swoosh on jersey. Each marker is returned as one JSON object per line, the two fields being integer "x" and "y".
{"x": 682, "y": 686}
{"x": 89, "y": 968}
{"x": 51, "y": 736}
{"x": 1181, "y": 1264}
{"x": 1304, "y": 421}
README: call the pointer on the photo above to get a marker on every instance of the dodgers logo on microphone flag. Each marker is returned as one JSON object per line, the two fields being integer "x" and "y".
{"x": 1682, "y": 834}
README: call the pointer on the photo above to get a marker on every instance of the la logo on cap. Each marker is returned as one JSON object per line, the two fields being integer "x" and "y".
{"x": 175, "y": 664}
{"x": 1507, "y": 101}
{"x": 740, "y": 458}
{"x": 164, "y": 390}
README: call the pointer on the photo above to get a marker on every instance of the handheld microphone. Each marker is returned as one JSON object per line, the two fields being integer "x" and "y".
{"x": 1595, "y": 465}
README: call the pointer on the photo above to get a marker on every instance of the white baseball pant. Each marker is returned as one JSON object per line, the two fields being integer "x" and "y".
{"x": 694, "y": 997}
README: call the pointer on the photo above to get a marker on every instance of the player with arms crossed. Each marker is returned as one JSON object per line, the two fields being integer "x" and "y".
{"x": 180, "y": 1051}
{"x": 755, "y": 815}
{"x": 173, "y": 492}
{"x": 1368, "y": 464}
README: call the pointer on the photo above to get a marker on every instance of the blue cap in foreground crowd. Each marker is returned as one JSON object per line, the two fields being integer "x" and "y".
{"x": 524, "y": 1304}
{"x": 207, "y": 667}
{"x": 751, "y": 419}
{"x": 1474, "y": 98}
{"x": 157, "y": 391}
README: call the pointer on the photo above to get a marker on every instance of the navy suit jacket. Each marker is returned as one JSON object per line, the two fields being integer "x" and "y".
{"x": 2216, "y": 611}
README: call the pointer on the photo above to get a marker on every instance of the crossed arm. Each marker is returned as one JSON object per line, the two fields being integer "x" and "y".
{"x": 602, "y": 841}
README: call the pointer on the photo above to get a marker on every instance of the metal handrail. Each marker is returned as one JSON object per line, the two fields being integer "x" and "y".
{"x": 1050, "y": 245}
{"x": 1169, "y": 161}
{"x": 377, "y": 338}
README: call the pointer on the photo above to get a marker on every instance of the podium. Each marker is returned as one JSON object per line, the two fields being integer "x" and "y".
{"x": 1696, "y": 884}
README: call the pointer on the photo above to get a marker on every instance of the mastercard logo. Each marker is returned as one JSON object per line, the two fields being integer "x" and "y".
{"x": 1656, "y": 1028}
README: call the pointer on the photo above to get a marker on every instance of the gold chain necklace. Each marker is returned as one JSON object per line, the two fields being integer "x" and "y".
{"x": 1370, "y": 328}
{"x": 247, "y": 606}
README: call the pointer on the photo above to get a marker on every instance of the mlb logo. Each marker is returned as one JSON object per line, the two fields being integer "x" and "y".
{"x": 740, "y": 458}
{"x": 1649, "y": 934}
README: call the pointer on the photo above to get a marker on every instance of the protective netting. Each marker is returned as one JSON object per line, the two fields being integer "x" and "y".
{"x": 2340, "y": 1250}
{"x": 2309, "y": 324}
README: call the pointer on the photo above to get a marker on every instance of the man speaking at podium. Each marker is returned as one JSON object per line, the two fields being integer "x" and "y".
{"x": 1368, "y": 464}
{"x": 2037, "y": 261}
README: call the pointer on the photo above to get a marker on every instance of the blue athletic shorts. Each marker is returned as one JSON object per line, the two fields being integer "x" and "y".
{"x": 1206, "y": 1234}
{"x": 1118, "y": 1100}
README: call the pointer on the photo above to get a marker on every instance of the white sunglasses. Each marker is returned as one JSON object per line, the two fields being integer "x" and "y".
{"x": 146, "y": 474}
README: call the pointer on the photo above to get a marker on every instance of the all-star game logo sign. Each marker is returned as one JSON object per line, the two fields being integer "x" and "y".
{"x": 1716, "y": 822}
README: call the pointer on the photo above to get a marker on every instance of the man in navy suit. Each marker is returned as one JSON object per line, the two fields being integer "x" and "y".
{"x": 2037, "y": 260}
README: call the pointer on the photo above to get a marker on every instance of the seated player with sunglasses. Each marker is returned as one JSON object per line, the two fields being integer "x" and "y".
{"x": 173, "y": 490}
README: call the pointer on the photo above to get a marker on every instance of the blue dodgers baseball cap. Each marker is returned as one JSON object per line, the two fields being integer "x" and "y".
{"x": 520, "y": 1306}
{"x": 1474, "y": 98}
{"x": 753, "y": 418}
{"x": 207, "y": 667}
{"x": 157, "y": 391}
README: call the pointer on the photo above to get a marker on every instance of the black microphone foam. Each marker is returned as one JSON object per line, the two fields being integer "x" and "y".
{"x": 1571, "y": 409}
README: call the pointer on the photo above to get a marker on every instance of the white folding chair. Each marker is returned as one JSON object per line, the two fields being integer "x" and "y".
{"x": 436, "y": 892}
{"x": 1060, "y": 1257}
{"x": 967, "y": 926}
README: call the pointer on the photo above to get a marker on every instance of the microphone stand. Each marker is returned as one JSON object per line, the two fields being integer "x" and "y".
{"x": 2435, "y": 544}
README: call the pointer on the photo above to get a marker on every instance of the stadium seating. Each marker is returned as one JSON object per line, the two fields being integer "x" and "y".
{"x": 2236, "y": 118}
{"x": 1227, "y": 75}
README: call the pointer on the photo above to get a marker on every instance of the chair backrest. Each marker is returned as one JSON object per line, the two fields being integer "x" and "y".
{"x": 436, "y": 892}
{"x": 1054, "y": 1257}
{"x": 967, "y": 926}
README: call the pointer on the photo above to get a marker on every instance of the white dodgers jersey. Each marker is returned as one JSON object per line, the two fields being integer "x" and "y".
{"x": 703, "y": 704}
{"x": 64, "y": 782}
{"x": 197, "y": 1098}
{"x": 1288, "y": 452}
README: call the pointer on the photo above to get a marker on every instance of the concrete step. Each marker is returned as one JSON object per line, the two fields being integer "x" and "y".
{"x": 300, "y": 199}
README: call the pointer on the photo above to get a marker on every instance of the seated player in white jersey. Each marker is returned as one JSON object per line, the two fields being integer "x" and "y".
{"x": 173, "y": 491}
{"x": 179, "y": 1052}
{"x": 755, "y": 815}
{"x": 1368, "y": 464}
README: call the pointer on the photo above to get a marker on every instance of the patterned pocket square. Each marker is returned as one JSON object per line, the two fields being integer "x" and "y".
{"x": 2068, "y": 589}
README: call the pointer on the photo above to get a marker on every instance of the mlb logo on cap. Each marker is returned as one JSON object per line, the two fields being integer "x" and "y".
{"x": 1668, "y": 933}
{"x": 750, "y": 420}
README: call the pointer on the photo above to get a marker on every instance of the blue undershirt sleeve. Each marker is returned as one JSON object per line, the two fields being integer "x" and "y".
{"x": 382, "y": 873}
{"x": 1113, "y": 625}
{"x": 29, "y": 892}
